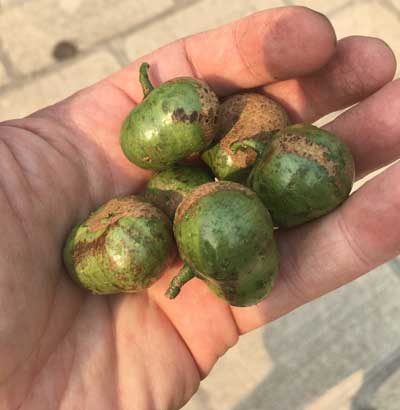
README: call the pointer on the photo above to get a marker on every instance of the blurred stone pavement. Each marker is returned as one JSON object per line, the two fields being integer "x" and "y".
{"x": 341, "y": 352}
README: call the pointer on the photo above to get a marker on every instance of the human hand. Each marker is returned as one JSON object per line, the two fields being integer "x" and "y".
{"x": 62, "y": 348}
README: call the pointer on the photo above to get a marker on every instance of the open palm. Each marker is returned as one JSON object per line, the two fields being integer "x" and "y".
{"x": 61, "y": 348}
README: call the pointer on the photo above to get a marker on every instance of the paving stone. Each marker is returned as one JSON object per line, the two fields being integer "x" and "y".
{"x": 387, "y": 397}
{"x": 340, "y": 396}
{"x": 200, "y": 401}
{"x": 70, "y": 6}
{"x": 259, "y": 5}
{"x": 30, "y": 32}
{"x": 6, "y": 3}
{"x": 323, "y": 6}
{"x": 188, "y": 21}
{"x": 320, "y": 345}
{"x": 380, "y": 388}
{"x": 235, "y": 374}
{"x": 55, "y": 86}
{"x": 395, "y": 4}
{"x": 369, "y": 18}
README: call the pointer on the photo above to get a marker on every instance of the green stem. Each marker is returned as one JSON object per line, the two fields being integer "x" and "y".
{"x": 258, "y": 142}
{"x": 147, "y": 86}
{"x": 254, "y": 144}
{"x": 184, "y": 275}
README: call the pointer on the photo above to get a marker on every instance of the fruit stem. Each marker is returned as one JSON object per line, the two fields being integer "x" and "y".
{"x": 147, "y": 86}
{"x": 184, "y": 275}
{"x": 257, "y": 143}
{"x": 249, "y": 143}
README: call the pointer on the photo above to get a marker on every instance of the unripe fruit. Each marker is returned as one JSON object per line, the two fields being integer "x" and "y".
{"x": 124, "y": 246}
{"x": 302, "y": 174}
{"x": 242, "y": 116}
{"x": 225, "y": 237}
{"x": 174, "y": 121}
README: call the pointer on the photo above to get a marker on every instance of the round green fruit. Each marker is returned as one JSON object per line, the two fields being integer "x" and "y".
{"x": 303, "y": 173}
{"x": 225, "y": 237}
{"x": 124, "y": 246}
{"x": 167, "y": 189}
{"x": 240, "y": 117}
{"x": 174, "y": 121}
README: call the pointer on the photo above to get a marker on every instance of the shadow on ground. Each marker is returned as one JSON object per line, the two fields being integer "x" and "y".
{"x": 319, "y": 346}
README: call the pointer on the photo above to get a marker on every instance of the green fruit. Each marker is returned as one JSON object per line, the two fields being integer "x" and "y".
{"x": 242, "y": 116}
{"x": 124, "y": 246}
{"x": 225, "y": 237}
{"x": 174, "y": 121}
{"x": 167, "y": 189}
{"x": 302, "y": 174}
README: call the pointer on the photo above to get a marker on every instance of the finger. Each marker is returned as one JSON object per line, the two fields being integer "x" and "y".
{"x": 360, "y": 66}
{"x": 326, "y": 254}
{"x": 265, "y": 47}
{"x": 372, "y": 129}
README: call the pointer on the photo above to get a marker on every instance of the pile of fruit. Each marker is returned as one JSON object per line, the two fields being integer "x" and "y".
{"x": 256, "y": 174}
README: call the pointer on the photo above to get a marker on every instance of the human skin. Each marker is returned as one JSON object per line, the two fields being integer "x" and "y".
{"x": 62, "y": 348}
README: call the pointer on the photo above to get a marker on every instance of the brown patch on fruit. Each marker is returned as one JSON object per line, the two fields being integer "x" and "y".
{"x": 209, "y": 109}
{"x": 179, "y": 115}
{"x": 306, "y": 148}
{"x": 245, "y": 116}
{"x": 206, "y": 189}
{"x": 83, "y": 248}
{"x": 118, "y": 208}
{"x": 249, "y": 114}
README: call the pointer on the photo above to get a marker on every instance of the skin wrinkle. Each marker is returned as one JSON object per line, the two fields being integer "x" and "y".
{"x": 165, "y": 314}
{"x": 33, "y": 132}
{"x": 122, "y": 91}
{"x": 77, "y": 156}
{"x": 235, "y": 36}
{"x": 189, "y": 59}
{"x": 352, "y": 243}
{"x": 67, "y": 378}
{"x": 27, "y": 183}
{"x": 309, "y": 101}
{"x": 154, "y": 302}
{"x": 11, "y": 202}
{"x": 352, "y": 79}
{"x": 72, "y": 361}
{"x": 291, "y": 274}
{"x": 114, "y": 349}
{"x": 49, "y": 356}
{"x": 41, "y": 336}
{"x": 15, "y": 211}
{"x": 23, "y": 225}
{"x": 33, "y": 192}
{"x": 147, "y": 380}
{"x": 22, "y": 125}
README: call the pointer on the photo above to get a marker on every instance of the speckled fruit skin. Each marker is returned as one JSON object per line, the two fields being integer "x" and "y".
{"x": 242, "y": 116}
{"x": 225, "y": 236}
{"x": 174, "y": 121}
{"x": 124, "y": 246}
{"x": 304, "y": 173}
{"x": 167, "y": 189}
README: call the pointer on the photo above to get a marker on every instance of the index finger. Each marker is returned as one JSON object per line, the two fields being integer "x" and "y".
{"x": 265, "y": 47}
